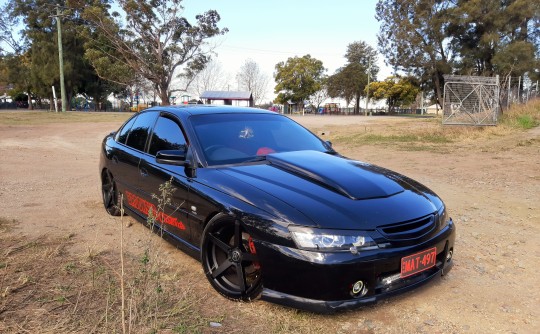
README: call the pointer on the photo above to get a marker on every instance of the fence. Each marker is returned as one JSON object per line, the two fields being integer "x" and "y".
{"x": 474, "y": 100}
{"x": 470, "y": 100}
{"x": 517, "y": 90}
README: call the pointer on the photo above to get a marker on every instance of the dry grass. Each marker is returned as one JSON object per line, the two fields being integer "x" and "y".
{"x": 45, "y": 289}
{"x": 429, "y": 134}
{"x": 524, "y": 116}
{"x": 45, "y": 117}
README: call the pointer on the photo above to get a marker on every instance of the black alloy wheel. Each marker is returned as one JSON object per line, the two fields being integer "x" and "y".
{"x": 110, "y": 194}
{"x": 229, "y": 259}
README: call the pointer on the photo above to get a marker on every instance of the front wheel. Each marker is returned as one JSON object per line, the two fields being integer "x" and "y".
{"x": 229, "y": 259}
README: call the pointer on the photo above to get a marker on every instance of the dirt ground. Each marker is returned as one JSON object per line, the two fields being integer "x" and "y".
{"x": 49, "y": 186}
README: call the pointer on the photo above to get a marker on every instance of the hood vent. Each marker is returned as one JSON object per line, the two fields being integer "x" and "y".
{"x": 353, "y": 179}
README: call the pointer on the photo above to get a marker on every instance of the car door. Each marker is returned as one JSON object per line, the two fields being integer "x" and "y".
{"x": 123, "y": 167}
{"x": 128, "y": 156}
{"x": 169, "y": 206}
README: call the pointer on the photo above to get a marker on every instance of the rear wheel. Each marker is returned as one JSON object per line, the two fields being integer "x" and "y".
{"x": 229, "y": 259}
{"x": 110, "y": 194}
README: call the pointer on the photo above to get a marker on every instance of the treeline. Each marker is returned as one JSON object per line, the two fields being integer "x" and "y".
{"x": 430, "y": 38}
{"x": 148, "y": 45}
{"x": 423, "y": 40}
{"x": 138, "y": 44}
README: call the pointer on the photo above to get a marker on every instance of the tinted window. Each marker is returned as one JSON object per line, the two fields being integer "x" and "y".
{"x": 122, "y": 135}
{"x": 140, "y": 130}
{"x": 235, "y": 138}
{"x": 167, "y": 136}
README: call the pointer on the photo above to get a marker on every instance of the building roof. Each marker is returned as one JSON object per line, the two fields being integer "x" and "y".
{"x": 226, "y": 95}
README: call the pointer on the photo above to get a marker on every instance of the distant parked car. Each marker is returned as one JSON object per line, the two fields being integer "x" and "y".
{"x": 273, "y": 211}
{"x": 139, "y": 107}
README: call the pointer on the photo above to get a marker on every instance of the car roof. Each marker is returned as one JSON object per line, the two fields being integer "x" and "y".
{"x": 204, "y": 109}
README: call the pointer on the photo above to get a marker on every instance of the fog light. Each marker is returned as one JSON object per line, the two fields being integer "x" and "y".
{"x": 449, "y": 255}
{"x": 359, "y": 289}
{"x": 391, "y": 279}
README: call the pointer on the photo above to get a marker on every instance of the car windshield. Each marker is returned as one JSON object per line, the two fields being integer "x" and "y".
{"x": 239, "y": 138}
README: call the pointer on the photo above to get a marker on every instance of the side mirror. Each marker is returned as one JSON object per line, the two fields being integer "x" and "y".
{"x": 172, "y": 157}
{"x": 182, "y": 157}
{"x": 329, "y": 143}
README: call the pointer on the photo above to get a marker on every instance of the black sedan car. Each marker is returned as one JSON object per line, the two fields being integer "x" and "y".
{"x": 272, "y": 211}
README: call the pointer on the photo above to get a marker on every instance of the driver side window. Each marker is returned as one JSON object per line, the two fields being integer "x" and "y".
{"x": 167, "y": 135}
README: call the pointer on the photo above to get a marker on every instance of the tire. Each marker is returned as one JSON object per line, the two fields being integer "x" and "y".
{"x": 110, "y": 194}
{"x": 229, "y": 259}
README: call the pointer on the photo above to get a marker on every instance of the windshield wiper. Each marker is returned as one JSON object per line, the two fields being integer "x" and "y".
{"x": 257, "y": 158}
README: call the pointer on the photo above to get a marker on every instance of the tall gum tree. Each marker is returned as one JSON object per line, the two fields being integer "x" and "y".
{"x": 152, "y": 41}
{"x": 349, "y": 82}
{"x": 495, "y": 37}
{"x": 40, "y": 49}
{"x": 413, "y": 38}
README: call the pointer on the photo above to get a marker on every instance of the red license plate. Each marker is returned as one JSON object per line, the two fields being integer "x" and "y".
{"x": 418, "y": 262}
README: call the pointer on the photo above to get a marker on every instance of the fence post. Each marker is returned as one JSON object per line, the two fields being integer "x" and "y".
{"x": 519, "y": 89}
{"x": 508, "y": 97}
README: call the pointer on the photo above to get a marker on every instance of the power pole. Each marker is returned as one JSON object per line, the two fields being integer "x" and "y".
{"x": 61, "y": 59}
{"x": 367, "y": 96}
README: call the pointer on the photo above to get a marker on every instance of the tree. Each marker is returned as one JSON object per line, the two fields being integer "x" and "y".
{"x": 397, "y": 92}
{"x": 317, "y": 98}
{"x": 16, "y": 69}
{"x": 414, "y": 40}
{"x": 516, "y": 59}
{"x": 349, "y": 82}
{"x": 8, "y": 23}
{"x": 154, "y": 43}
{"x": 212, "y": 77}
{"x": 297, "y": 79}
{"x": 250, "y": 78}
{"x": 41, "y": 49}
{"x": 14, "y": 64}
{"x": 482, "y": 29}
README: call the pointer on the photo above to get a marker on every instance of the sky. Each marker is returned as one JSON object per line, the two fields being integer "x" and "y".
{"x": 271, "y": 31}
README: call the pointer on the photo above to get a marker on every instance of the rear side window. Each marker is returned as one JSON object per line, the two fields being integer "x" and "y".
{"x": 140, "y": 130}
{"x": 122, "y": 135}
{"x": 167, "y": 136}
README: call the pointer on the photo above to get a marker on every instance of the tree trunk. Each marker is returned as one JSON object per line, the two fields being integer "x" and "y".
{"x": 164, "y": 97}
{"x": 30, "y": 106}
{"x": 437, "y": 84}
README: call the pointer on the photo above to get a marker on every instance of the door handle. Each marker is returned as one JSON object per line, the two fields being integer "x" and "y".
{"x": 143, "y": 171}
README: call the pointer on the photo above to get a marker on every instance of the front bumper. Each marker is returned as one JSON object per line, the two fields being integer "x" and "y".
{"x": 322, "y": 282}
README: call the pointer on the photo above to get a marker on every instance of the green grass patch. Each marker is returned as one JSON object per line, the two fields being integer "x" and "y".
{"x": 375, "y": 138}
{"x": 370, "y": 138}
{"x": 45, "y": 117}
{"x": 527, "y": 122}
{"x": 523, "y": 116}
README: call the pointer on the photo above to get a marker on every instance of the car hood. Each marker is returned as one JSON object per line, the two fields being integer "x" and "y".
{"x": 329, "y": 191}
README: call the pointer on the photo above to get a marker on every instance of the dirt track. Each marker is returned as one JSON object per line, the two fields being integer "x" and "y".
{"x": 49, "y": 184}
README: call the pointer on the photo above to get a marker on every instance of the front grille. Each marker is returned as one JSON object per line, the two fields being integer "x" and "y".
{"x": 409, "y": 230}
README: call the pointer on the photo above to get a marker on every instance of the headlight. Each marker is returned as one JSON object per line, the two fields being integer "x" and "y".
{"x": 331, "y": 240}
{"x": 443, "y": 217}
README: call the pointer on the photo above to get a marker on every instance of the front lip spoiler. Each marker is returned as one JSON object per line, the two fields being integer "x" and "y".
{"x": 328, "y": 307}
